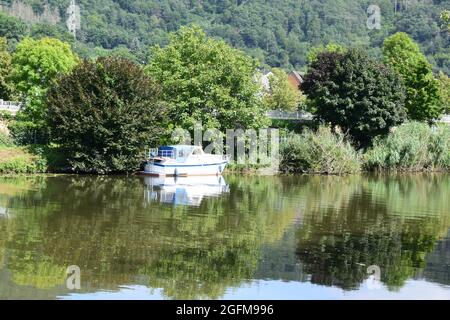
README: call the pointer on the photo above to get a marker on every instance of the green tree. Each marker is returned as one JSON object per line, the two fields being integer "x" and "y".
{"x": 12, "y": 28}
{"x": 351, "y": 90}
{"x": 445, "y": 17}
{"x": 422, "y": 90}
{"x": 278, "y": 33}
{"x": 104, "y": 114}
{"x": 282, "y": 95}
{"x": 36, "y": 66}
{"x": 444, "y": 91}
{"x": 331, "y": 47}
{"x": 206, "y": 80}
{"x": 5, "y": 71}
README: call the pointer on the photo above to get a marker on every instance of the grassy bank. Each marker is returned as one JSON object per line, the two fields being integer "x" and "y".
{"x": 257, "y": 169}
{"x": 412, "y": 147}
{"x": 19, "y": 160}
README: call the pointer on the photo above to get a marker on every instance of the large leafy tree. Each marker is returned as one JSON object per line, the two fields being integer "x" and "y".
{"x": 104, "y": 114}
{"x": 208, "y": 81}
{"x": 331, "y": 47}
{"x": 445, "y": 17}
{"x": 5, "y": 70}
{"x": 282, "y": 95}
{"x": 351, "y": 90}
{"x": 444, "y": 89}
{"x": 12, "y": 28}
{"x": 36, "y": 66}
{"x": 422, "y": 90}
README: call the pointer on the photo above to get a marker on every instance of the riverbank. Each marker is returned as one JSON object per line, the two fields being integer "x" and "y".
{"x": 19, "y": 160}
{"x": 412, "y": 147}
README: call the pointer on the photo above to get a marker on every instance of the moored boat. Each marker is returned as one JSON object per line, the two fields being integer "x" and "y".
{"x": 183, "y": 160}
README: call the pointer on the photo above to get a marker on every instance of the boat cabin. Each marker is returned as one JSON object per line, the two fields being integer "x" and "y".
{"x": 179, "y": 153}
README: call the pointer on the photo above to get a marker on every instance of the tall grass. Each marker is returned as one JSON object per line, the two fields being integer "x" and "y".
{"x": 14, "y": 159}
{"x": 5, "y": 140}
{"x": 321, "y": 152}
{"x": 412, "y": 147}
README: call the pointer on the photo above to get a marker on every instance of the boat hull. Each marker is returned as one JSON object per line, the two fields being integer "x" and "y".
{"x": 156, "y": 169}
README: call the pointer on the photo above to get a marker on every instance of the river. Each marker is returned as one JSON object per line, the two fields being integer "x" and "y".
{"x": 231, "y": 237}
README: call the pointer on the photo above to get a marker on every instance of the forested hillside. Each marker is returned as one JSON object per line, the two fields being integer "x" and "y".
{"x": 278, "y": 32}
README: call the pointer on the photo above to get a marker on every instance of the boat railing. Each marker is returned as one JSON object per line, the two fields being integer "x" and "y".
{"x": 166, "y": 154}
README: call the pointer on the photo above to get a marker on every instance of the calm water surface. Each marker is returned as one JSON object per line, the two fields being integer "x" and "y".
{"x": 226, "y": 238}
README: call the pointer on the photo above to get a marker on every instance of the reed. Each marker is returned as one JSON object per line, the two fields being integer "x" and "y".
{"x": 412, "y": 147}
{"x": 319, "y": 152}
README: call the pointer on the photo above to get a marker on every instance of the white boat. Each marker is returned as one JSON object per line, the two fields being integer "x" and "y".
{"x": 184, "y": 191}
{"x": 182, "y": 160}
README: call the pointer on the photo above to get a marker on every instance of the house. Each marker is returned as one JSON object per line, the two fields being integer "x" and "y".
{"x": 265, "y": 81}
{"x": 296, "y": 79}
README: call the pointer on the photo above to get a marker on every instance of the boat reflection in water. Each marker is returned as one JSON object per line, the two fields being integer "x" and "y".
{"x": 4, "y": 212}
{"x": 184, "y": 191}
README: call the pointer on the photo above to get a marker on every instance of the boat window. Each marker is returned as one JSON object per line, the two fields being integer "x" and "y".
{"x": 183, "y": 153}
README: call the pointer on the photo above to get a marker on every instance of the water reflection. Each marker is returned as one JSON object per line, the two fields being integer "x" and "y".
{"x": 187, "y": 191}
{"x": 3, "y": 213}
{"x": 379, "y": 223}
{"x": 221, "y": 240}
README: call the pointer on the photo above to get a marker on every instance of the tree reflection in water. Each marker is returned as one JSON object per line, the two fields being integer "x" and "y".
{"x": 391, "y": 222}
{"x": 332, "y": 227}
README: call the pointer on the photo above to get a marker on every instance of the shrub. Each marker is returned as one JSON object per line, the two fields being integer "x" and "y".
{"x": 321, "y": 152}
{"x": 412, "y": 147}
{"x": 358, "y": 94}
{"x": 26, "y": 133}
{"x": 104, "y": 114}
{"x": 19, "y": 160}
{"x": 5, "y": 140}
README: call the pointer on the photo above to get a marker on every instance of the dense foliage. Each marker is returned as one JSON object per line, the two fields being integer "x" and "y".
{"x": 104, "y": 114}
{"x": 15, "y": 159}
{"x": 207, "y": 81}
{"x": 445, "y": 17}
{"x": 5, "y": 140}
{"x": 444, "y": 92}
{"x": 359, "y": 94}
{"x": 279, "y": 33}
{"x": 36, "y": 65}
{"x": 319, "y": 152}
{"x": 412, "y": 147}
{"x": 422, "y": 90}
{"x": 282, "y": 95}
{"x": 5, "y": 71}
{"x": 12, "y": 28}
